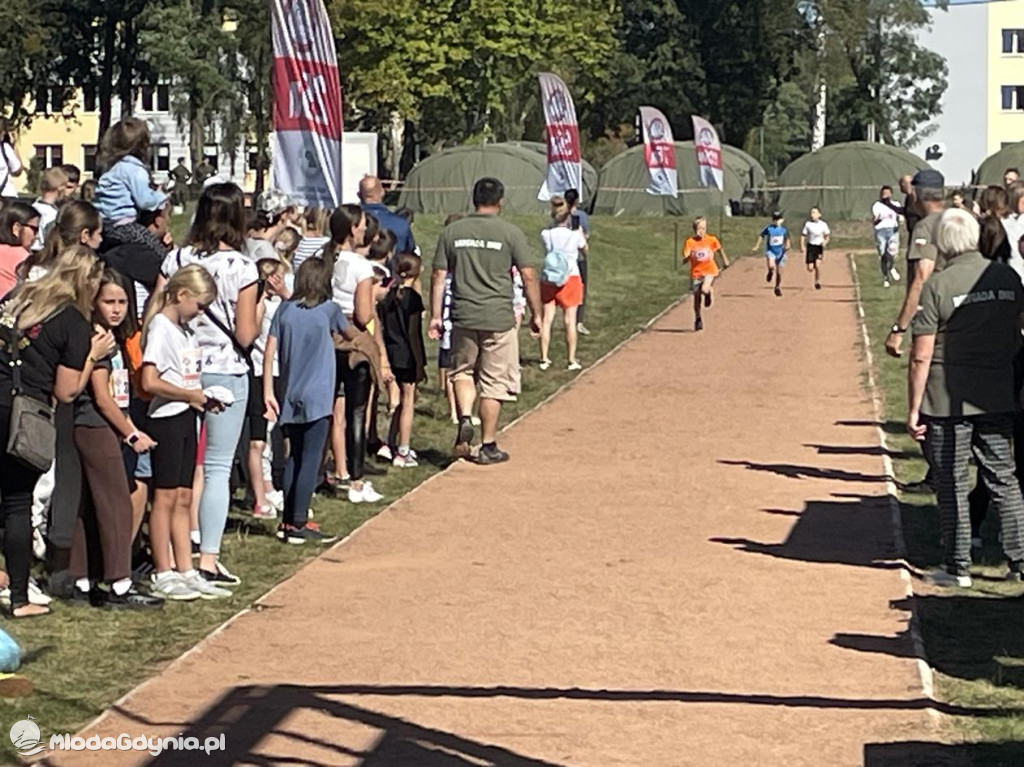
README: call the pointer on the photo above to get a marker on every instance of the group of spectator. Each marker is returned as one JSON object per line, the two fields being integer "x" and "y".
{"x": 964, "y": 308}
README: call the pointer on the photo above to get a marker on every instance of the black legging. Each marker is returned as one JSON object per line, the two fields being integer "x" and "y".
{"x": 357, "y": 385}
{"x": 583, "y": 276}
{"x": 17, "y": 481}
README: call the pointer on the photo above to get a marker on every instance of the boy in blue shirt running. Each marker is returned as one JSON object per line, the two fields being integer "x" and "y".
{"x": 776, "y": 239}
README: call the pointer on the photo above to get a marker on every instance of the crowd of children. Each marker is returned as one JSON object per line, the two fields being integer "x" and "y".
{"x": 235, "y": 352}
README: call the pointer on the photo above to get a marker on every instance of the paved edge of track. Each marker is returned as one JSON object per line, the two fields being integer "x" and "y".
{"x": 924, "y": 669}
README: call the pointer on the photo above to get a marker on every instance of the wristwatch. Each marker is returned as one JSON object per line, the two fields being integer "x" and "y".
{"x": 897, "y": 330}
{"x": 132, "y": 438}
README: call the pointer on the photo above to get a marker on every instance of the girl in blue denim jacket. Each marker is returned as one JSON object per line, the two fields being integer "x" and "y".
{"x": 125, "y": 187}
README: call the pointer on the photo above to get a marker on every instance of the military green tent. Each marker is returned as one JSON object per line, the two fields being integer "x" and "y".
{"x": 843, "y": 179}
{"x": 625, "y": 178}
{"x": 990, "y": 173}
{"x": 746, "y": 166}
{"x": 443, "y": 182}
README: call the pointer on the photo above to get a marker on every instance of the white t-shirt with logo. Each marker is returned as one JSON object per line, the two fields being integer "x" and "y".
{"x": 349, "y": 270}
{"x": 567, "y": 241}
{"x": 816, "y": 231}
{"x": 886, "y": 216}
{"x": 232, "y": 272}
{"x": 175, "y": 353}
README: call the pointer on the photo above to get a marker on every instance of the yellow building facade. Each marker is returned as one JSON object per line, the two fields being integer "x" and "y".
{"x": 1005, "y": 73}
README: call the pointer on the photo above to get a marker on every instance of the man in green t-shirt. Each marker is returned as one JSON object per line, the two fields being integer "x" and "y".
{"x": 480, "y": 251}
{"x": 961, "y": 389}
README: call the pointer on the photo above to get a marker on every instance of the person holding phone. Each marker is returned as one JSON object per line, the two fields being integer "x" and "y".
{"x": 10, "y": 162}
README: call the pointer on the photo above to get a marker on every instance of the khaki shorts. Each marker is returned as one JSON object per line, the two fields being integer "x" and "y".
{"x": 490, "y": 358}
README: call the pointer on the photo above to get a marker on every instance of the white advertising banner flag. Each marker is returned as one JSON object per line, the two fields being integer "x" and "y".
{"x": 306, "y": 143}
{"x": 659, "y": 152}
{"x": 563, "y": 138}
{"x": 709, "y": 153}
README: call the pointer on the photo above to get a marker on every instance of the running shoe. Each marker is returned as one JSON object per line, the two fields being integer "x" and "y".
{"x": 885, "y": 283}
{"x": 264, "y": 512}
{"x": 895, "y": 275}
{"x": 385, "y": 454}
{"x": 817, "y": 286}
{"x": 698, "y": 324}
{"x": 196, "y": 580}
{"x": 463, "y": 438}
{"x": 941, "y": 577}
{"x": 778, "y": 291}
{"x": 133, "y": 599}
{"x": 475, "y": 420}
{"x": 405, "y": 461}
{"x": 582, "y": 329}
{"x": 171, "y": 585}
{"x": 365, "y": 495}
{"x": 574, "y": 366}
{"x": 545, "y": 364}
{"x": 707, "y": 300}
{"x": 491, "y": 455}
{"x": 297, "y": 536}
{"x": 770, "y": 276}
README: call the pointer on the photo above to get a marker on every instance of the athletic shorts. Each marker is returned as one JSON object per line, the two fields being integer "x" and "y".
{"x": 697, "y": 283}
{"x": 780, "y": 259}
{"x": 566, "y": 296}
{"x": 815, "y": 253}
{"x": 444, "y": 359}
{"x": 491, "y": 358}
{"x": 174, "y": 457}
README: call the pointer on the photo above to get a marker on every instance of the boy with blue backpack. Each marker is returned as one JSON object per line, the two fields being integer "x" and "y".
{"x": 561, "y": 285}
{"x": 776, "y": 246}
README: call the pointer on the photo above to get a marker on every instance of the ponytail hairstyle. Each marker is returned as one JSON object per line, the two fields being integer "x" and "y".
{"x": 220, "y": 218}
{"x": 74, "y": 218}
{"x": 130, "y": 325}
{"x": 313, "y": 283}
{"x": 342, "y": 223}
{"x": 381, "y": 248}
{"x": 285, "y": 244}
{"x": 72, "y": 280}
{"x": 560, "y": 210}
{"x": 407, "y": 267}
{"x": 192, "y": 279}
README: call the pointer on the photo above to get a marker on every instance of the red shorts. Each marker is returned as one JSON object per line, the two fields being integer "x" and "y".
{"x": 567, "y": 296}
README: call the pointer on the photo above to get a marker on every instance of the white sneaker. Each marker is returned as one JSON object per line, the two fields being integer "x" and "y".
{"x": 942, "y": 578}
{"x": 276, "y": 499}
{"x": 582, "y": 329}
{"x": 366, "y": 495}
{"x": 574, "y": 365}
{"x": 170, "y": 586}
{"x": 206, "y": 590}
{"x": 895, "y": 275}
{"x": 885, "y": 283}
{"x": 36, "y": 596}
{"x": 545, "y": 364}
{"x": 475, "y": 420}
{"x": 405, "y": 461}
{"x": 385, "y": 453}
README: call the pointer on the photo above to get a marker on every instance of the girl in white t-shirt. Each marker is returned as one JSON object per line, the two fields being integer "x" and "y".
{"x": 225, "y": 334}
{"x": 171, "y": 375}
{"x": 564, "y": 244}
{"x": 10, "y": 162}
{"x": 352, "y": 288}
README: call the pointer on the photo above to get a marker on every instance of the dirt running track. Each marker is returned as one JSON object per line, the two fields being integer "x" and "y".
{"x": 684, "y": 564}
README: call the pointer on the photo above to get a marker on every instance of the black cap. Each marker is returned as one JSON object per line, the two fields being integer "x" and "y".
{"x": 929, "y": 178}
{"x": 777, "y": 215}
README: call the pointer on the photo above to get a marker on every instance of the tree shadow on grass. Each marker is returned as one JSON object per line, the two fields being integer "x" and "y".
{"x": 856, "y": 532}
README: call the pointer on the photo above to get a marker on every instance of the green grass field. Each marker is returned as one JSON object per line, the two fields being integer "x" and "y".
{"x": 974, "y": 639}
{"x": 81, "y": 660}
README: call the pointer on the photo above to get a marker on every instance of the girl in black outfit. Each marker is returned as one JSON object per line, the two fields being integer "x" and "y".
{"x": 57, "y": 350}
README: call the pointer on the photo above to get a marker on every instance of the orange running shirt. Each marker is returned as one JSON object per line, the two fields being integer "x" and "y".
{"x": 701, "y": 254}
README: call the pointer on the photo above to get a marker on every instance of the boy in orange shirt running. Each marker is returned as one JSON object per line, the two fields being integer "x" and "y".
{"x": 700, "y": 251}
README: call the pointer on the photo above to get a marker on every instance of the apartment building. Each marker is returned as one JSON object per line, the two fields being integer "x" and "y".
{"x": 983, "y": 108}
{"x": 68, "y": 133}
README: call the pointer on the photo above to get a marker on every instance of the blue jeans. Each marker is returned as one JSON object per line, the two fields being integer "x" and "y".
{"x": 302, "y": 471}
{"x": 222, "y": 433}
{"x": 887, "y": 241}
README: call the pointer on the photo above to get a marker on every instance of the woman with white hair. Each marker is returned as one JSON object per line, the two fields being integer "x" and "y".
{"x": 961, "y": 390}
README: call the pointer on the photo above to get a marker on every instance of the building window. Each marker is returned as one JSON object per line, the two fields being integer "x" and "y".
{"x": 1013, "y": 98}
{"x": 156, "y": 98}
{"x": 211, "y": 154}
{"x": 1013, "y": 41}
{"x": 42, "y": 100}
{"x": 89, "y": 152}
{"x": 50, "y": 155}
{"x": 89, "y": 100}
{"x": 161, "y": 157}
